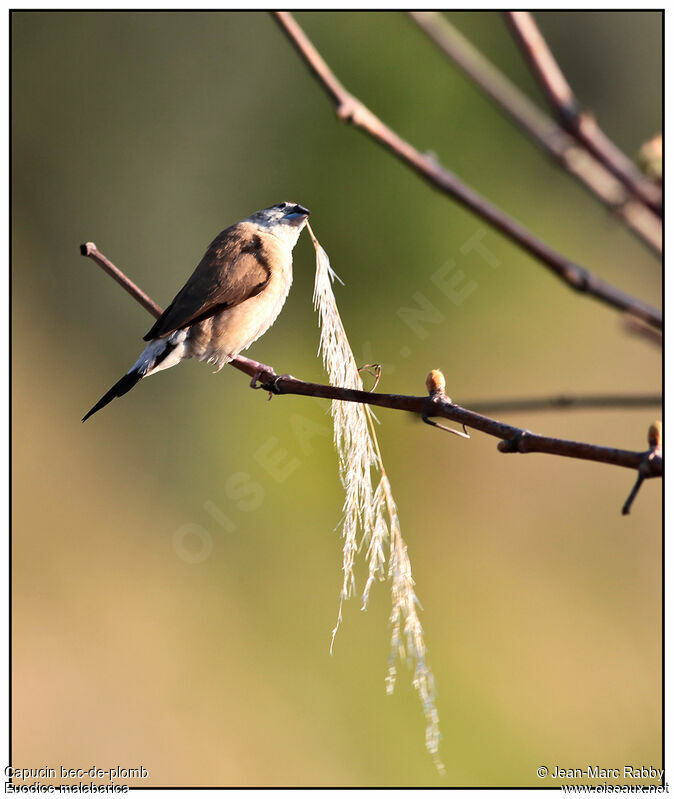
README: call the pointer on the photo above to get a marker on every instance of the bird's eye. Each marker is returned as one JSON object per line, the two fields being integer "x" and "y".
{"x": 282, "y": 205}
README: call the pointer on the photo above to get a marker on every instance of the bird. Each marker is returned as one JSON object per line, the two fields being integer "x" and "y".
{"x": 231, "y": 299}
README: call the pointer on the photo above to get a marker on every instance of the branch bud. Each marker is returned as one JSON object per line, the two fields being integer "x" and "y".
{"x": 435, "y": 382}
{"x": 655, "y": 435}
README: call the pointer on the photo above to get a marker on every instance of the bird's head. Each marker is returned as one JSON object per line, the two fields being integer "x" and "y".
{"x": 284, "y": 220}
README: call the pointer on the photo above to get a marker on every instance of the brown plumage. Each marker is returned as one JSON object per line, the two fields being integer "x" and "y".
{"x": 232, "y": 297}
{"x": 235, "y": 267}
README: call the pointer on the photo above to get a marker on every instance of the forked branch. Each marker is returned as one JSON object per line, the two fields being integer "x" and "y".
{"x": 435, "y": 404}
{"x": 581, "y": 125}
{"x": 542, "y": 129}
{"x": 350, "y": 109}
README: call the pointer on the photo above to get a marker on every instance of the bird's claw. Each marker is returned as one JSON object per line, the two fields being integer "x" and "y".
{"x": 273, "y": 386}
{"x": 257, "y": 377}
{"x": 268, "y": 382}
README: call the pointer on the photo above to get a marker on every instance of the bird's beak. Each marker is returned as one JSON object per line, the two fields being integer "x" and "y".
{"x": 298, "y": 213}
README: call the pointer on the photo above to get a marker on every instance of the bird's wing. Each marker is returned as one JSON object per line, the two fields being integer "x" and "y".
{"x": 235, "y": 268}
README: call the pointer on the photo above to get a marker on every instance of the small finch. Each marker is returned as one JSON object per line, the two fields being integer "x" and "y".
{"x": 230, "y": 300}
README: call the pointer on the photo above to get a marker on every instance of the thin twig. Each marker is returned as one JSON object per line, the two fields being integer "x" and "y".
{"x": 637, "y": 328}
{"x": 350, "y": 109}
{"x": 437, "y": 404}
{"x": 579, "y": 124}
{"x": 565, "y": 402}
{"x": 550, "y": 137}
{"x": 91, "y": 251}
{"x": 655, "y": 444}
{"x": 632, "y": 495}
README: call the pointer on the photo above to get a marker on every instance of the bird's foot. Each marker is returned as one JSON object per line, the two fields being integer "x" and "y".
{"x": 268, "y": 382}
{"x": 273, "y": 385}
{"x": 260, "y": 377}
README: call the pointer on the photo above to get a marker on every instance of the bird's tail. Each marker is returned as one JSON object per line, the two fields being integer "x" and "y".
{"x": 119, "y": 389}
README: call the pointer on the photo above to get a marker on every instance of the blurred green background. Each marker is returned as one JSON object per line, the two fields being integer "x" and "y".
{"x": 173, "y": 591}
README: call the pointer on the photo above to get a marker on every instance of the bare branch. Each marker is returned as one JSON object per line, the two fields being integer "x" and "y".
{"x": 91, "y": 250}
{"x": 655, "y": 444}
{"x": 436, "y": 404}
{"x": 350, "y": 109}
{"x": 566, "y": 402}
{"x": 552, "y": 139}
{"x": 581, "y": 125}
{"x": 637, "y": 328}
